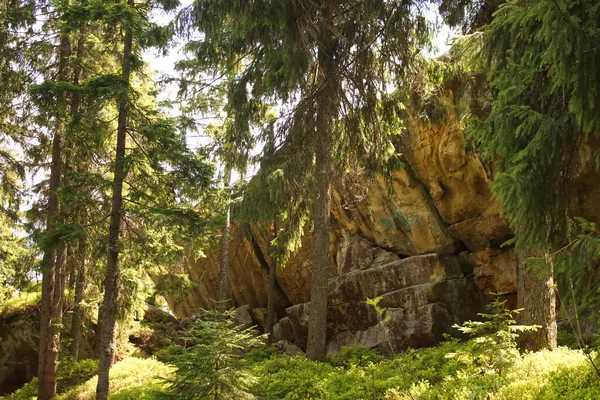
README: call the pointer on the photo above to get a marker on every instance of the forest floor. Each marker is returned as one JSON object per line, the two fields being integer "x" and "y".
{"x": 152, "y": 355}
{"x": 359, "y": 373}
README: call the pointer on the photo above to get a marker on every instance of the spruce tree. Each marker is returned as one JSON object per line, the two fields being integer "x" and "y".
{"x": 14, "y": 77}
{"x": 109, "y": 303}
{"x": 155, "y": 175}
{"x": 540, "y": 60}
{"x": 53, "y": 262}
{"x": 326, "y": 63}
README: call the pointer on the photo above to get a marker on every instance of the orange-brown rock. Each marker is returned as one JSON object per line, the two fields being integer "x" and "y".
{"x": 427, "y": 239}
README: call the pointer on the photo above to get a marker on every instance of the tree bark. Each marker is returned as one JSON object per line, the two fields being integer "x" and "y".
{"x": 111, "y": 284}
{"x": 317, "y": 323}
{"x": 535, "y": 294}
{"x": 225, "y": 244}
{"x": 272, "y": 283}
{"x": 54, "y": 258}
{"x": 80, "y": 283}
{"x": 81, "y": 252}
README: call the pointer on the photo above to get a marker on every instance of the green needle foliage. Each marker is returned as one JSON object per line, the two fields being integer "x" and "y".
{"x": 540, "y": 59}
{"x": 326, "y": 64}
{"x": 494, "y": 344}
{"x": 210, "y": 367}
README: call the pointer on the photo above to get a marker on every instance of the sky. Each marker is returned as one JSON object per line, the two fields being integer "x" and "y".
{"x": 164, "y": 65}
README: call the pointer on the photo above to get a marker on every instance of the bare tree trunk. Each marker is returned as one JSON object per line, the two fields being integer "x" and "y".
{"x": 80, "y": 283}
{"x": 54, "y": 258}
{"x": 272, "y": 283}
{"x": 81, "y": 253}
{"x": 317, "y": 322}
{"x": 225, "y": 244}
{"x": 535, "y": 294}
{"x": 111, "y": 284}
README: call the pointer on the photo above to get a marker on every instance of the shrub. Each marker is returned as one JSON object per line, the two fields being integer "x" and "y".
{"x": 168, "y": 354}
{"x": 70, "y": 374}
{"x": 260, "y": 354}
{"x": 290, "y": 378}
{"x": 145, "y": 374}
{"x": 355, "y": 356}
{"x": 211, "y": 366}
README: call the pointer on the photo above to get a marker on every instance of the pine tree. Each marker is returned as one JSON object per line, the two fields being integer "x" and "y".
{"x": 326, "y": 63}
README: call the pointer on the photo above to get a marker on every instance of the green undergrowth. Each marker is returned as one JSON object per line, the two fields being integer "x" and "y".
{"x": 359, "y": 373}
{"x": 210, "y": 360}
{"x": 426, "y": 374}
{"x": 130, "y": 379}
{"x": 21, "y": 301}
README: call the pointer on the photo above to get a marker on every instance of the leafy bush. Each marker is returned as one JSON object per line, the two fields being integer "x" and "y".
{"x": 355, "y": 373}
{"x": 72, "y": 373}
{"x": 260, "y": 354}
{"x": 542, "y": 375}
{"x": 290, "y": 378}
{"x": 168, "y": 354}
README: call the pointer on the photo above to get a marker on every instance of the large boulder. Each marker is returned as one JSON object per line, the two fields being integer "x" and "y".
{"x": 423, "y": 296}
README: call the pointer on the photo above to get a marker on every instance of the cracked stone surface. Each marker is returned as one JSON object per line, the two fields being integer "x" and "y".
{"x": 427, "y": 239}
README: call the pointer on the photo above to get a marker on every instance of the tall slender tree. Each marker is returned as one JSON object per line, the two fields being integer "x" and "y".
{"x": 109, "y": 304}
{"x": 14, "y": 76}
{"x": 538, "y": 57}
{"x": 224, "y": 261}
{"x": 326, "y": 63}
{"x": 53, "y": 262}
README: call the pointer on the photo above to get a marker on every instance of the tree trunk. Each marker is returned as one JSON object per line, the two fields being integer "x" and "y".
{"x": 272, "y": 283}
{"x": 317, "y": 323}
{"x": 78, "y": 274}
{"x": 535, "y": 294}
{"x": 111, "y": 284}
{"x": 54, "y": 258}
{"x": 80, "y": 283}
{"x": 81, "y": 253}
{"x": 225, "y": 244}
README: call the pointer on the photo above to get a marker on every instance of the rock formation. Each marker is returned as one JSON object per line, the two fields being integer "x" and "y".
{"x": 427, "y": 240}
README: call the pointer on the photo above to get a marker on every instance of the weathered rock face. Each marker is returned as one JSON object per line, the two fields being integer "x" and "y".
{"x": 422, "y": 295}
{"x": 398, "y": 238}
{"x": 427, "y": 240}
